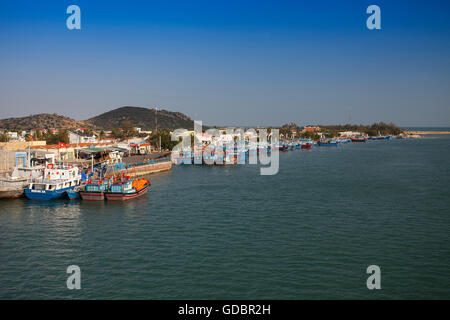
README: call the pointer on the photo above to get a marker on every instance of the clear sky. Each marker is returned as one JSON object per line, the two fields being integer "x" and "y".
{"x": 230, "y": 62}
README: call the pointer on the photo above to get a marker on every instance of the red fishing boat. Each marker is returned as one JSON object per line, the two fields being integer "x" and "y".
{"x": 358, "y": 139}
{"x": 306, "y": 146}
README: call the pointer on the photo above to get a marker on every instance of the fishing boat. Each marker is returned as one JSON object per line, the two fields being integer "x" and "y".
{"x": 328, "y": 143}
{"x": 13, "y": 185}
{"x": 358, "y": 139}
{"x": 282, "y": 147}
{"x": 54, "y": 184}
{"x": 124, "y": 189}
{"x": 95, "y": 189}
{"x": 74, "y": 193}
{"x": 380, "y": 137}
{"x": 306, "y": 145}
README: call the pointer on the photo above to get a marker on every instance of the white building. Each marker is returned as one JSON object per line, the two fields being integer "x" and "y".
{"x": 79, "y": 137}
{"x": 350, "y": 134}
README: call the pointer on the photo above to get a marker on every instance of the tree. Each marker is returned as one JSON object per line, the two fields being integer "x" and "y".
{"x": 310, "y": 135}
{"x": 128, "y": 129}
{"x": 166, "y": 139}
{"x": 89, "y": 132}
{"x": 116, "y": 133}
{"x": 61, "y": 136}
{"x": 4, "y": 137}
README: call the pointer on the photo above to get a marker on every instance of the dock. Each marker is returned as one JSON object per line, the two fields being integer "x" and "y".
{"x": 141, "y": 165}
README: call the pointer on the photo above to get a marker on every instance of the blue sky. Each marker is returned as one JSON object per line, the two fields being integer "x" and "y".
{"x": 230, "y": 62}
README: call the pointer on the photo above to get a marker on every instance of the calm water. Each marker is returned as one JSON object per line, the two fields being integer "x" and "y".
{"x": 227, "y": 232}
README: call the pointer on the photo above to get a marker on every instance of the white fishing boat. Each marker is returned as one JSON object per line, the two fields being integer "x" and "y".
{"x": 13, "y": 185}
{"x": 55, "y": 183}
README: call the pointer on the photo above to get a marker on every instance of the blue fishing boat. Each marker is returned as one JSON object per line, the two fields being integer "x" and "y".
{"x": 95, "y": 189}
{"x": 328, "y": 143}
{"x": 54, "y": 184}
{"x": 74, "y": 193}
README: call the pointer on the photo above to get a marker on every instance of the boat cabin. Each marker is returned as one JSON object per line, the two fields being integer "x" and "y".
{"x": 56, "y": 178}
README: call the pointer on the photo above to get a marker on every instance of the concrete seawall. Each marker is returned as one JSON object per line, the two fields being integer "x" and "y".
{"x": 144, "y": 169}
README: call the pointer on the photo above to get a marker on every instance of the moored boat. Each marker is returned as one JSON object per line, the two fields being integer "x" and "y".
{"x": 306, "y": 145}
{"x": 11, "y": 190}
{"x": 125, "y": 189}
{"x": 13, "y": 185}
{"x": 95, "y": 189}
{"x": 74, "y": 193}
{"x": 358, "y": 139}
{"x": 328, "y": 143}
{"x": 54, "y": 184}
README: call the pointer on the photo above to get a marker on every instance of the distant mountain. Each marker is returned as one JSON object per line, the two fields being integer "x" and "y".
{"x": 141, "y": 117}
{"x": 41, "y": 121}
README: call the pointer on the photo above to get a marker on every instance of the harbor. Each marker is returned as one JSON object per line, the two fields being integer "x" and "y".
{"x": 113, "y": 170}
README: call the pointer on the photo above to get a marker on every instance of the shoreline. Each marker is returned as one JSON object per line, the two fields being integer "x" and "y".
{"x": 427, "y": 132}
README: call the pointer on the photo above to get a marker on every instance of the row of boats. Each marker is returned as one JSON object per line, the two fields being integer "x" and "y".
{"x": 59, "y": 181}
{"x": 339, "y": 141}
{"x": 50, "y": 181}
{"x": 220, "y": 155}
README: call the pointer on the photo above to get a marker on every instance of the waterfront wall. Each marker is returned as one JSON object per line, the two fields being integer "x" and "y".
{"x": 20, "y": 145}
{"x": 143, "y": 169}
{"x": 7, "y": 160}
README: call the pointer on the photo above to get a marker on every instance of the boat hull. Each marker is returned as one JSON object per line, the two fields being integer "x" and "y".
{"x": 119, "y": 196}
{"x": 94, "y": 196}
{"x": 73, "y": 195}
{"x": 46, "y": 195}
{"x": 329, "y": 144}
{"x": 6, "y": 193}
{"x": 306, "y": 146}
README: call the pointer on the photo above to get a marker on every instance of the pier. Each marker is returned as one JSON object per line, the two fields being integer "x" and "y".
{"x": 141, "y": 165}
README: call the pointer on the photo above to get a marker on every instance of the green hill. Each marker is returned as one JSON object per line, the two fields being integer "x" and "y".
{"x": 41, "y": 121}
{"x": 141, "y": 117}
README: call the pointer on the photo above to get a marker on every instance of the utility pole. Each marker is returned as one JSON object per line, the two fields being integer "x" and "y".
{"x": 156, "y": 119}
{"x": 156, "y": 127}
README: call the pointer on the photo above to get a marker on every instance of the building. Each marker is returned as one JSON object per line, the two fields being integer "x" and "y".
{"x": 81, "y": 137}
{"x": 141, "y": 147}
{"x": 140, "y": 131}
{"x": 311, "y": 129}
{"x": 350, "y": 134}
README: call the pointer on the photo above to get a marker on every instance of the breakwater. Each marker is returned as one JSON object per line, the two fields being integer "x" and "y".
{"x": 143, "y": 168}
